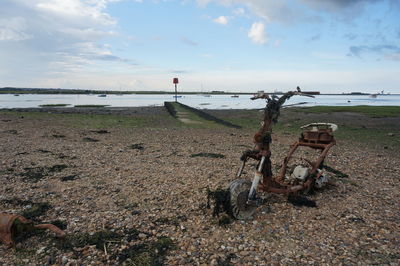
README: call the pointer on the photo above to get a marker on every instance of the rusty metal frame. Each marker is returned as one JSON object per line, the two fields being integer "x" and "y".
{"x": 7, "y": 221}
{"x": 320, "y": 139}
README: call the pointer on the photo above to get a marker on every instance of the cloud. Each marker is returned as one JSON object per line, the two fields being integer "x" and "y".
{"x": 239, "y": 11}
{"x": 257, "y": 33}
{"x": 188, "y": 41}
{"x": 221, "y": 20}
{"x": 336, "y": 5}
{"x": 46, "y": 37}
{"x": 315, "y": 37}
{"x": 295, "y": 11}
{"x": 350, "y": 36}
{"x": 13, "y": 29}
{"x": 390, "y": 52}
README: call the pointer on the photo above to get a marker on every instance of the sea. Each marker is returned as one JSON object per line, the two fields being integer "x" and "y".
{"x": 200, "y": 101}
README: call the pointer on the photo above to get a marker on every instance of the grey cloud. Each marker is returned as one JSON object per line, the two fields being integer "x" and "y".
{"x": 350, "y": 36}
{"x": 187, "y": 41}
{"x": 284, "y": 11}
{"x": 315, "y": 37}
{"x": 384, "y": 49}
{"x": 113, "y": 58}
{"x": 336, "y": 4}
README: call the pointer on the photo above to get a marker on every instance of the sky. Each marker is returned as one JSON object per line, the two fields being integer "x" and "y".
{"x": 331, "y": 46}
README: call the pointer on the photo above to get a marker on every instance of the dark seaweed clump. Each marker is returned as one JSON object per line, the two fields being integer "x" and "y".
{"x": 68, "y": 178}
{"x": 37, "y": 209}
{"x": 209, "y": 155}
{"x": 101, "y": 131}
{"x": 34, "y": 174}
{"x": 152, "y": 253}
{"x": 301, "y": 201}
{"x": 98, "y": 239}
{"x": 221, "y": 200}
{"x": 88, "y": 139}
{"x": 138, "y": 146}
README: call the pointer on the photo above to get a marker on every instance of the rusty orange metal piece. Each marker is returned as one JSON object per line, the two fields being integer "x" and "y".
{"x": 8, "y": 220}
{"x": 320, "y": 139}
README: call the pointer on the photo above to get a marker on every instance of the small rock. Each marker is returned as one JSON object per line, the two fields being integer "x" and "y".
{"x": 141, "y": 235}
{"x": 41, "y": 250}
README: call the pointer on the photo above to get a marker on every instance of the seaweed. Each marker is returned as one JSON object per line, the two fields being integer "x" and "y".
{"x": 34, "y": 174}
{"x": 98, "y": 239}
{"x": 68, "y": 178}
{"x": 56, "y": 168}
{"x": 221, "y": 199}
{"x": 43, "y": 151}
{"x": 88, "y": 139}
{"x": 37, "y": 209}
{"x": 209, "y": 155}
{"x": 101, "y": 131}
{"x": 301, "y": 201}
{"x": 138, "y": 146}
{"x": 152, "y": 253}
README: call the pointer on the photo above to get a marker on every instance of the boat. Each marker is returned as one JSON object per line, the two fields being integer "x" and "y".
{"x": 373, "y": 96}
{"x": 16, "y": 94}
{"x": 235, "y": 96}
{"x": 102, "y": 95}
{"x": 177, "y": 96}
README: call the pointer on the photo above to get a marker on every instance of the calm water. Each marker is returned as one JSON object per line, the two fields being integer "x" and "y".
{"x": 197, "y": 101}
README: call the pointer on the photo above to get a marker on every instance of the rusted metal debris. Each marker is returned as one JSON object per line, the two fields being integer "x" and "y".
{"x": 302, "y": 178}
{"x": 13, "y": 224}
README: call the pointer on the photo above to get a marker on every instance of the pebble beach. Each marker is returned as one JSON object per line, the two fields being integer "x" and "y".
{"x": 138, "y": 196}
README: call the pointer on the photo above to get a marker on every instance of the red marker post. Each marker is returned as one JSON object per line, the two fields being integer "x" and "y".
{"x": 176, "y": 81}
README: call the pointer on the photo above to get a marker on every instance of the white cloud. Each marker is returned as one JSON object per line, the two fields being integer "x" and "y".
{"x": 239, "y": 11}
{"x": 13, "y": 29}
{"x": 44, "y": 37}
{"x": 221, "y": 20}
{"x": 203, "y": 2}
{"x": 257, "y": 33}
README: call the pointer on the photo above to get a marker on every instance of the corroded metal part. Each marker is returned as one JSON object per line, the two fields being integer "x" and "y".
{"x": 317, "y": 136}
{"x": 7, "y": 221}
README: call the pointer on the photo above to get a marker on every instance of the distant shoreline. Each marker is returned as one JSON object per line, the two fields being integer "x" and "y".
{"x": 12, "y": 90}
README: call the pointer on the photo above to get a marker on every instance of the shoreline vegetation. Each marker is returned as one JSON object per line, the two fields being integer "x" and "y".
{"x": 372, "y": 125}
{"x": 17, "y": 91}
